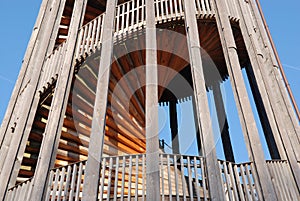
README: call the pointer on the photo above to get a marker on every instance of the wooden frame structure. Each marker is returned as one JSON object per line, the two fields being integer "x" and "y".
{"x": 94, "y": 74}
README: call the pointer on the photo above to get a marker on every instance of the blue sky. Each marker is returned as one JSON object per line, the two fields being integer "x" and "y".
{"x": 18, "y": 17}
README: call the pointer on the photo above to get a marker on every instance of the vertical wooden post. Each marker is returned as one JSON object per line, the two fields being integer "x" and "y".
{"x": 174, "y": 127}
{"x": 261, "y": 61}
{"x": 204, "y": 119}
{"x": 152, "y": 145}
{"x": 92, "y": 171}
{"x": 242, "y": 101}
{"x": 58, "y": 107}
{"x": 223, "y": 123}
{"x": 24, "y": 116}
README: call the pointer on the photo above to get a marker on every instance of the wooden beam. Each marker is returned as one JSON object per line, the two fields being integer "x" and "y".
{"x": 245, "y": 112}
{"x": 92, "y": 171}
{"x": 204, "y": 120}
{"x": 152, "y": 140}
{"x": 58, "y": 108}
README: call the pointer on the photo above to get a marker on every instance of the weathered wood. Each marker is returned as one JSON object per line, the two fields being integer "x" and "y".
{"x": 152, "y": 145}
{"x": 203, "y": 114}
{"x": 24, "y": 68}
{"x": 247, "y": 120}
{"x": 56, "y": 26}
{"x": 287, "y": 140}
{"x": 25, "y": 116}
{"x": 56, "y": 116}
{"x": 90, "y": 190}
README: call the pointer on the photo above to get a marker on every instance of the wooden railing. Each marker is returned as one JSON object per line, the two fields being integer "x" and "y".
{"x": 51, "y": 67}
{"x": 90, "y": 37}
{"x": 240, "y": 181}
{"x": 65, "y": 183}
{"x": 131, "y": 16}
{"x": 19, "y": 192}
{"x": 283, "y": 180}
{"x": 181, "y": 178}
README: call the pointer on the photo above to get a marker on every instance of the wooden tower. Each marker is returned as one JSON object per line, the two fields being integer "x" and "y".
{"x": 83, "y": 119}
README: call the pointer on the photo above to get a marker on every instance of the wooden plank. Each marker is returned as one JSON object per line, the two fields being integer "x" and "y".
{"x": 143, "y": 177}
{"x": 90, "y": 187}
{"x": 182, "y": 178}
{"x": 203, "y": 114}
{"x": 169, "y": 178}
{"x": 238, "y": 182}
{"x": 116, "y": 179}
{"x": 196, "y": 178}
{"x": 55, "y": 184}
{"x": 110, "y": 178}
{"x": 61, "y": 184}
{"x": 245, "y": 183}
{"x": 152, "y": 145}
{"x": 49, "y": 186}
{"x": 66, "y": 188}
{"x": 102, "y": 178}
{"x": 162, "y": 176}
{"x": 233, "y": 182}
{"x": 123, "y": 177}
{"x": 130, "y": 177}
{"x": 227, "y": 181}
{"x": 176, "y": 178}
{"x": 136, "y": 177}
{"x": 190, "y": 177}
{"x": 79, "y": 180}
{"x": 72, "y": 186}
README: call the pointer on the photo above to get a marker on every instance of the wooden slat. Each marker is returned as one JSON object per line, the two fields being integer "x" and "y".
{"x": 233, "y": 182}
{"x": 176, "y": 178}
{"x": 49, "y": 186}
{"x": 61, "y": 184}
{"x": 73, "y": 181}
{"x": 116, "y": 179}
{"x": 79, "y": 180}
{"x": 55, "y": 185}
{"x": 68, "y": 179}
